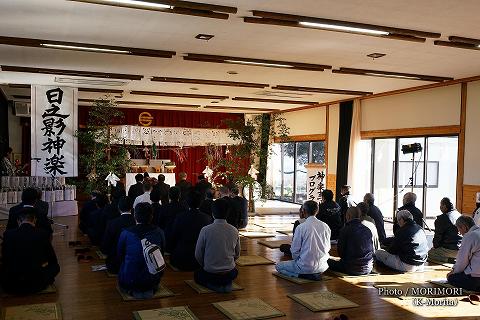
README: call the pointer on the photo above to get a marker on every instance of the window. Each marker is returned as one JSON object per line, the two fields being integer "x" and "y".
{"x": 286, "y": 168}
{"x": 430, "y": 174}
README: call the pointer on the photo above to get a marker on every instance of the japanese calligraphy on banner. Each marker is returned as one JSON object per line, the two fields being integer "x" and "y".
{"x": 316, "y": 174}
{"x": 54, "y": 123}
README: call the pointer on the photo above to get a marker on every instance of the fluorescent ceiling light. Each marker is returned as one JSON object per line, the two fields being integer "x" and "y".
{"x": 392, "y": 76}
{"x": 83, "y": 81}
{"x": 265, "y": 64}
{"x": 69, "y": 47}
{"x": 343, "y": 28}
{"x": 145, "y": 4}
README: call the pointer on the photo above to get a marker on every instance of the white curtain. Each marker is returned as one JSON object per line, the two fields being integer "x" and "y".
{"x": 354, "y": 159}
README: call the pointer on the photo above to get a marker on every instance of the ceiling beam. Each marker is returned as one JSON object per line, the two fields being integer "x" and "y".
{"x": 321, "y": 90}
{"x": 77, "y": 73}
{"x": 179, "y": 95}
{"x": 274, "y": 100}
{"x": 256, "y": 62}
{"x": 289, "y": 20}
{"x": 211, "y": 82}
{"x": 390, "y": 74}
{"x": 172, "y": 6}
{"x": 81, "y": 46}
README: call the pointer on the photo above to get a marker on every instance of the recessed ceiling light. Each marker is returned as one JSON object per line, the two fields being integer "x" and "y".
{"x": 376, "y": 55}
{"x": 232, "y": 72}
{"x": 82, "y": 48}
{"x": 266, "y": 64}
{"x": 193, "y": 88}
{"x": 343, "y": 28}
{"x": 202, "y": 36}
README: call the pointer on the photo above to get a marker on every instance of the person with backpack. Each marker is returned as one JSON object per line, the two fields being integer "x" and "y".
{"x": 140, "y": 251}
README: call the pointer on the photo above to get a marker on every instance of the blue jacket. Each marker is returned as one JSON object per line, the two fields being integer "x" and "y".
{"x": 133, "y": 274}
{"x": 410, "y": 244}
{"x": 355, "y": 247}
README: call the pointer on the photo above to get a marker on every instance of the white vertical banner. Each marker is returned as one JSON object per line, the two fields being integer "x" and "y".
{"x": 316, "y": 179}
{"x": 54, "y": 123}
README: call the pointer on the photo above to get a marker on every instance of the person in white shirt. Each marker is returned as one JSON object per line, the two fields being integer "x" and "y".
{"x": 466, "y": 271}
{"x": 476, "y": 213}
{"x": 310, "y": 247}
{"x": 145, "y": 197}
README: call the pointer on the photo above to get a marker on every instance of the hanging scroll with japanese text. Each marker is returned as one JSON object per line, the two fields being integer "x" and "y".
{"x": 54, "y": 123}
{"x": 316, "y": 180}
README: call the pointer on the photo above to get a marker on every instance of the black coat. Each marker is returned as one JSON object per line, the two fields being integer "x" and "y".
{"x": 167, "y": 215}
{"x": 375, "y": 213}
{"x": 410, "y": 244}
{"x": 446, "y": 233}
{"x": 87, "y": 209}
{"x": 355, "y": 247}
{"x": 185, "y": 188}
{"x": 110, "y": 239}
{"x": 42, "y": 218}
{"x": 29, "y": 261}
{"x": 329, "y": 212}
{"x": 202, "y": 186}
{"x": 135, "y": 190}
{"x": 186, "y": 229}
{"x": 163, "y": 189}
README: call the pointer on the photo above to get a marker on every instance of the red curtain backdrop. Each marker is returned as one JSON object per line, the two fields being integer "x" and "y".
{"x": 195, "y": 162}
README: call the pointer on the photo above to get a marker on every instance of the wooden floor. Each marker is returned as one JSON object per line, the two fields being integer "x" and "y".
{"x": 84, "y": 294}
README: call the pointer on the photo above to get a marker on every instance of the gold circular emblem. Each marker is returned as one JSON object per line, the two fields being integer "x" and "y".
{"x": 145, "y": 119}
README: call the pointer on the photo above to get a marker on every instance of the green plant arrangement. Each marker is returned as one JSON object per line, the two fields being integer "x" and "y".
{"x": 98, "y": 156}
{"x": 255, "y": 136}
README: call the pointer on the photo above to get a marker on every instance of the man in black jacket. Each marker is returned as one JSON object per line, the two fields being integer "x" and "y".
{"x": 186, "y": 229}
{"x": 136, "y": 189}
{"x": 87, "y": 209}
{"x": 162, "y": 188}
{"x": 446, "y": 240}
{"x": 408, "y": 250}
{"x": 168, "y": 213}
{"x": 345, "y": 202}
{"x": 354, "y": 247}
{"x": 329, "y": 212}
{"x": 113, "y": 231}
{"x": 375, "y": 213}
{"x": 184, "y": 186}
{"x": 29, "y": 261}
{"x": 409, "y": 204}
{"x": 202, "y": 185}
{"x": 29, "y": 200}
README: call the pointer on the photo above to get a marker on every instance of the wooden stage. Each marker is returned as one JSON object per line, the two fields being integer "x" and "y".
{"x": 83, "y": 294}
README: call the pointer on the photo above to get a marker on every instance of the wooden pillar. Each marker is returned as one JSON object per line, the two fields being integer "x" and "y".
{"x": 461, "y": 147}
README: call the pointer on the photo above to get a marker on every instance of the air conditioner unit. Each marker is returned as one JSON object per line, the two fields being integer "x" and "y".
{"x": 22, "y": 109}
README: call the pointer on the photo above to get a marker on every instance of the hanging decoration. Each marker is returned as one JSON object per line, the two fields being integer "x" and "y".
{"x": 253, "y": 172}
{"x": 170, "y": 136}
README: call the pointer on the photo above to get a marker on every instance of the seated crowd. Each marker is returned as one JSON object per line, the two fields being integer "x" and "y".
{"x": 198, "y": 228}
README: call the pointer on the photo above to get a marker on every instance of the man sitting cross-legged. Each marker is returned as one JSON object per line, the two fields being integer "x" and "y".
{"x": 310, "y": 247}
{"x": 466, "y": 271}
{"x": 113, "y": 231}
{"x": 29, "y": 261}
{"x": 134, "y": 276}
{"x": 355, "y": 246}
{"x": 446, "y": 240}
{"x": 408, "y": 250}
{"x": 217, "y": 248}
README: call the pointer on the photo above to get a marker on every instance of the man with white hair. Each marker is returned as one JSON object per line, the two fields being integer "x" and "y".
{"x": 408, "y": 250}
{"x": 409, "y": 204}
{"x": 466, "y": 271}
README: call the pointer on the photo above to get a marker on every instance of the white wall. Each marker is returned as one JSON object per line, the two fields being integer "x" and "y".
{"x": 424, "y": 108}
{"x": 472, "y": 135}
{"x": 14, "y": 132}
{"x": 309, "y": 121}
